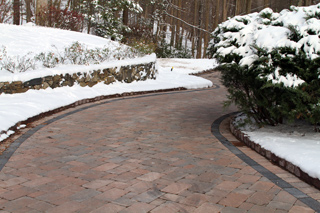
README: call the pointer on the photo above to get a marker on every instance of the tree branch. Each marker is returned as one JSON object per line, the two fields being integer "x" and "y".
{"x": 193, "y": 26}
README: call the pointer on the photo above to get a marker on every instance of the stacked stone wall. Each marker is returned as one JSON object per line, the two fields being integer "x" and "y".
{"x": 127, "y": 74}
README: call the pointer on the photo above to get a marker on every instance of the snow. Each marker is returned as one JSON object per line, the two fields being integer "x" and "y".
{"x": 41, "y": 39}
{"x": 297, "y": 143}
{"x": 20, "y": 40}
{"x": 32, "y": 40}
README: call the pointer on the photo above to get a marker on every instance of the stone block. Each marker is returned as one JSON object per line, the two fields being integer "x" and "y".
{"x": 45, "y": 85}
{"x": 33, "y": 82}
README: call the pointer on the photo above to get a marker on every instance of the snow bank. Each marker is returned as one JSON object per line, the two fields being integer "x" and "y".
{"x": 297, "y": 143}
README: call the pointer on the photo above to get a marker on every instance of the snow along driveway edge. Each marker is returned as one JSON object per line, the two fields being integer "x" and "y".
{"x": 301, "y": 196}
{"x": 14, "y": 129}
{"x": 296, "y": 170}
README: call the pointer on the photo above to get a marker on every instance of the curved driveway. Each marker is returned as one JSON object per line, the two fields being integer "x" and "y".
{"x": 139, "y": 154}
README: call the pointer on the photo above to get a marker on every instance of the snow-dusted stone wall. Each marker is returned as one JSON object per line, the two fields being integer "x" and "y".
{"x": 128, "y": 74}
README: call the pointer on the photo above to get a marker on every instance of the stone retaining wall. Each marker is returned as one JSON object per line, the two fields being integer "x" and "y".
{"x": 274, "y": 158}
{"x": 126, "y": 74}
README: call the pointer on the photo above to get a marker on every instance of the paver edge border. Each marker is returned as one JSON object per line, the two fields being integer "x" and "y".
{"x": 281, "y": 162}
{"x": 312, "y": 203}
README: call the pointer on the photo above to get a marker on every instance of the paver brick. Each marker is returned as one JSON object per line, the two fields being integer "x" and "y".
{"x": 112, "y": 194}
{"x": 138, "y": 208}
{"x": 176, "y": 188}
{"x": 97, "y": 184}
{"x": 151, "y": 176}
{"x": 141, "y": 154}
{"x": 110, "y": 208}
{"x": 260, "y": 198}
{"x": 234, "y": 200}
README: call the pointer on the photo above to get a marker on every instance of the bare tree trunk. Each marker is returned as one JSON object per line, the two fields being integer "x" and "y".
{"x": 207, "y": 19}
{"x": 173, "y": 27}
{"x": 217, "y": 14}
{"x": 199, "y": 42}
{"x": 16, "y": 12}
{"x": 194, "y": 31}
{"x": 249, "y": 6}
{"x": 238, "y": 7}
{"x": 224, "y": 10}
{"x": 146, "y": 11}
{"x": 267, "y": 3}
{"x": 28, "y": 10}
{"x": 178, "y": 30}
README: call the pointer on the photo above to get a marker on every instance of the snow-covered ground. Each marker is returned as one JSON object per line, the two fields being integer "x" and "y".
{"x": 295, "y": 142}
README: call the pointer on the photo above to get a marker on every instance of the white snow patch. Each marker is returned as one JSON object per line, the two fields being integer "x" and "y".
{"x": 297, "y": 143}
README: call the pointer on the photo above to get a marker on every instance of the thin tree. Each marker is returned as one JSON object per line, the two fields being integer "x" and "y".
{"x": 199, "y": 39}
{"x": 206, "y": 25}
{"x": 28, "y": 10}
{"x": 194, "y": 30}
{"x": 249, "y": 6}
{"x": 178, "y": 26}
{"x": 16, "y": 12}
{"x": 224, "y": 10}
{"x": 217, "y": 13}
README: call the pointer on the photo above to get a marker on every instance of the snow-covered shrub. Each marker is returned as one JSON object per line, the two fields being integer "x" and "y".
{"x": 79, "y": 54}
{"x": 270, "y": 63}
{"x": 76, "y": 53}
{"x": 15, "y": 64}
{"x": 165, "y": 50}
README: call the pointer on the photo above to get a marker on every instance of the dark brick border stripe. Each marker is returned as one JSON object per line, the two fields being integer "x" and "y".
{"x": 312, "y": 203}
{"x": 281, "y": 162}
{"x": 5, "y": 156}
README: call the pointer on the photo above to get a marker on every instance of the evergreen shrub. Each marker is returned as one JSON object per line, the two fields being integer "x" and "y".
{"x": 270, "y": 63}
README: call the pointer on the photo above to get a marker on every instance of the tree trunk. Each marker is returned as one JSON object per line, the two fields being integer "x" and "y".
{"x": 194, "y": 31}
{"x": 238, "y": 7}
{"x": 16, "y": 12}
{"x": 178, "y": 29}
{"x": 207, "y": 19}
{"x": 125, "y": 17}
{"x": 28, "y": 10}
{"x": 173, "y": 27}
{"x": 91, "y": 10}
{"x": 249, "y": 6}
{"x": 267, "y": 3}
{"x": 199, "y": 43}
{"x": 225, "y": 10}
{"x": 146, "y": 11}
{"x": 217, "y": 14}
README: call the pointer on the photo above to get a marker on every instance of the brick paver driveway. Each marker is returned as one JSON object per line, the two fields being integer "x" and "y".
{"x": 139, "y": 154}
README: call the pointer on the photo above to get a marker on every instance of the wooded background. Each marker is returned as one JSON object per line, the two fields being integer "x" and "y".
{"x": 180, "y": 24}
